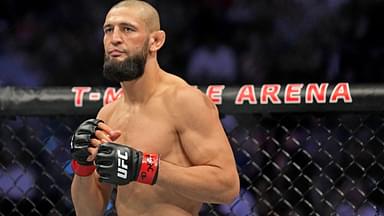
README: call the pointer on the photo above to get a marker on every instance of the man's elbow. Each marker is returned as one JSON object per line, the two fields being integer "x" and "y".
{"x": 232, "y": 190}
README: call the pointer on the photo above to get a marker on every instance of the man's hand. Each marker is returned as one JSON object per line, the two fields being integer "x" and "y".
{"x": 103, "y": 134}
{"x": 121, "y": 164}
{"x": 84, "y": 144}
{"x": 81, "y": 140}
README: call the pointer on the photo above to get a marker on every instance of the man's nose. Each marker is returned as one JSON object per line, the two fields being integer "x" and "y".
{"x": 116, "y": 36}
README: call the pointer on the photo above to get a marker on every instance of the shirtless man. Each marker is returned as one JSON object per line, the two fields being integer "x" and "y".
{"x": 161, "y": 142}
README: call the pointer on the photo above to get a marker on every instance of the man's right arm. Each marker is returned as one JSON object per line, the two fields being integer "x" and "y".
{"x": 89, "y": 196}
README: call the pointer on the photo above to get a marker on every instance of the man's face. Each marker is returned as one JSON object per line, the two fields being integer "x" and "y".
{"x": 125, "y": 45}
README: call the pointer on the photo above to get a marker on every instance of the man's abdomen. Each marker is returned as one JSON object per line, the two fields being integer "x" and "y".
{"x": 139, "y": 199}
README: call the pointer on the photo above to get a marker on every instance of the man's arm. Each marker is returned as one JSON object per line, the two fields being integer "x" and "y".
{"x": 89, "y": 196}
{"x": 213, "y": 176}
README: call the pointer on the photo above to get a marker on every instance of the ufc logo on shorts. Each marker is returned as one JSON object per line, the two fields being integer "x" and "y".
{"x": 122, "y": 168}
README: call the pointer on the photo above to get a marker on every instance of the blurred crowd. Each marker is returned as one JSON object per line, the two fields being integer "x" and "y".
{"x": 50, "y": 43}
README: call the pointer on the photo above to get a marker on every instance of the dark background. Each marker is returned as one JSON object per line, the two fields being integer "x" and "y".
{"x": 287, "y": 164}
{"x": 49, "y": 43}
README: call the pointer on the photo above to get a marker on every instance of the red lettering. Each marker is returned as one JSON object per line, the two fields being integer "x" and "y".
{"x": 292, "y": 93}
{"x": 341, "y": 91}
{"x": 79, "y": 94}
{"x": 315, "y": 92}
{"x": 215, "y": 92}
{"x": 111, "y": 95}
{"x": 270, "y": 92}
{"x": 246, "y": 93}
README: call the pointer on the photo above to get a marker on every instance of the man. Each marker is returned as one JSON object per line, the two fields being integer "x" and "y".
{"x": 161, "y": 142}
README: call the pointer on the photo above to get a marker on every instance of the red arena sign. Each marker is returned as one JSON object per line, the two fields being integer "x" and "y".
{"x": 292, "y": 94}
{"x": 266, "y": 98}
{"x": 296, "y": 93}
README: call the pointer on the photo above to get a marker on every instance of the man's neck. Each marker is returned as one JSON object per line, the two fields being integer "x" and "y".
{"x": 137, "y": 92}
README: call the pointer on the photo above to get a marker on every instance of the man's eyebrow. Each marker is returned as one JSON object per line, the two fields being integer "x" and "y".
{"x": 106, "y": 26}
{"x": 128, "y": 25}
{"x": 125, "y": 24}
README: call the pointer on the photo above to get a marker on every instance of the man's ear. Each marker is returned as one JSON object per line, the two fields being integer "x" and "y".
{"x": 157, "y": 40}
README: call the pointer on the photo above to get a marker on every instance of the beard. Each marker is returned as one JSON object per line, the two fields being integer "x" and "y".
{"x": 131, "y": 68}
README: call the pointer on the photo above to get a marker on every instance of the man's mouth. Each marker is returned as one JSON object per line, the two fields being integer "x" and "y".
{"x": 115, "y": 53}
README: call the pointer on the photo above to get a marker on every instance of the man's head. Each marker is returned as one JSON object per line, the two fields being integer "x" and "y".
{"x": 132, "y": 37}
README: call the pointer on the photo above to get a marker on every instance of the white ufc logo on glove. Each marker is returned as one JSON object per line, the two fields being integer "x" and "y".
{"x": 122, "y": 168}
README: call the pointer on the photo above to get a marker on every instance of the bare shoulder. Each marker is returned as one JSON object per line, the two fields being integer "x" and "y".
{"x": 106, "y": 111}
{"x": 190, "y": 97}
{"x": 180, "y": 94}
{"x": 188, "y": 104}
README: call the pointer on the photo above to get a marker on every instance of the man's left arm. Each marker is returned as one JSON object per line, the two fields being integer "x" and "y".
{"x": 213, "y": 176}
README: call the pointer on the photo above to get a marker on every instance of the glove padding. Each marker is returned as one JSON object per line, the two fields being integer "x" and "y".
{"x": 121, "y": 164}
{"x": 81, "y": 140}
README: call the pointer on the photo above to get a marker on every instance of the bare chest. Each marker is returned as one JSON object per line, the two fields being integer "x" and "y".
{"x": 147, "y": 132}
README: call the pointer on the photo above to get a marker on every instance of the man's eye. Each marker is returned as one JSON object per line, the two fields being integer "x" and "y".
{"x": 107, "y": 30}
{"x": 127, "y": 29}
